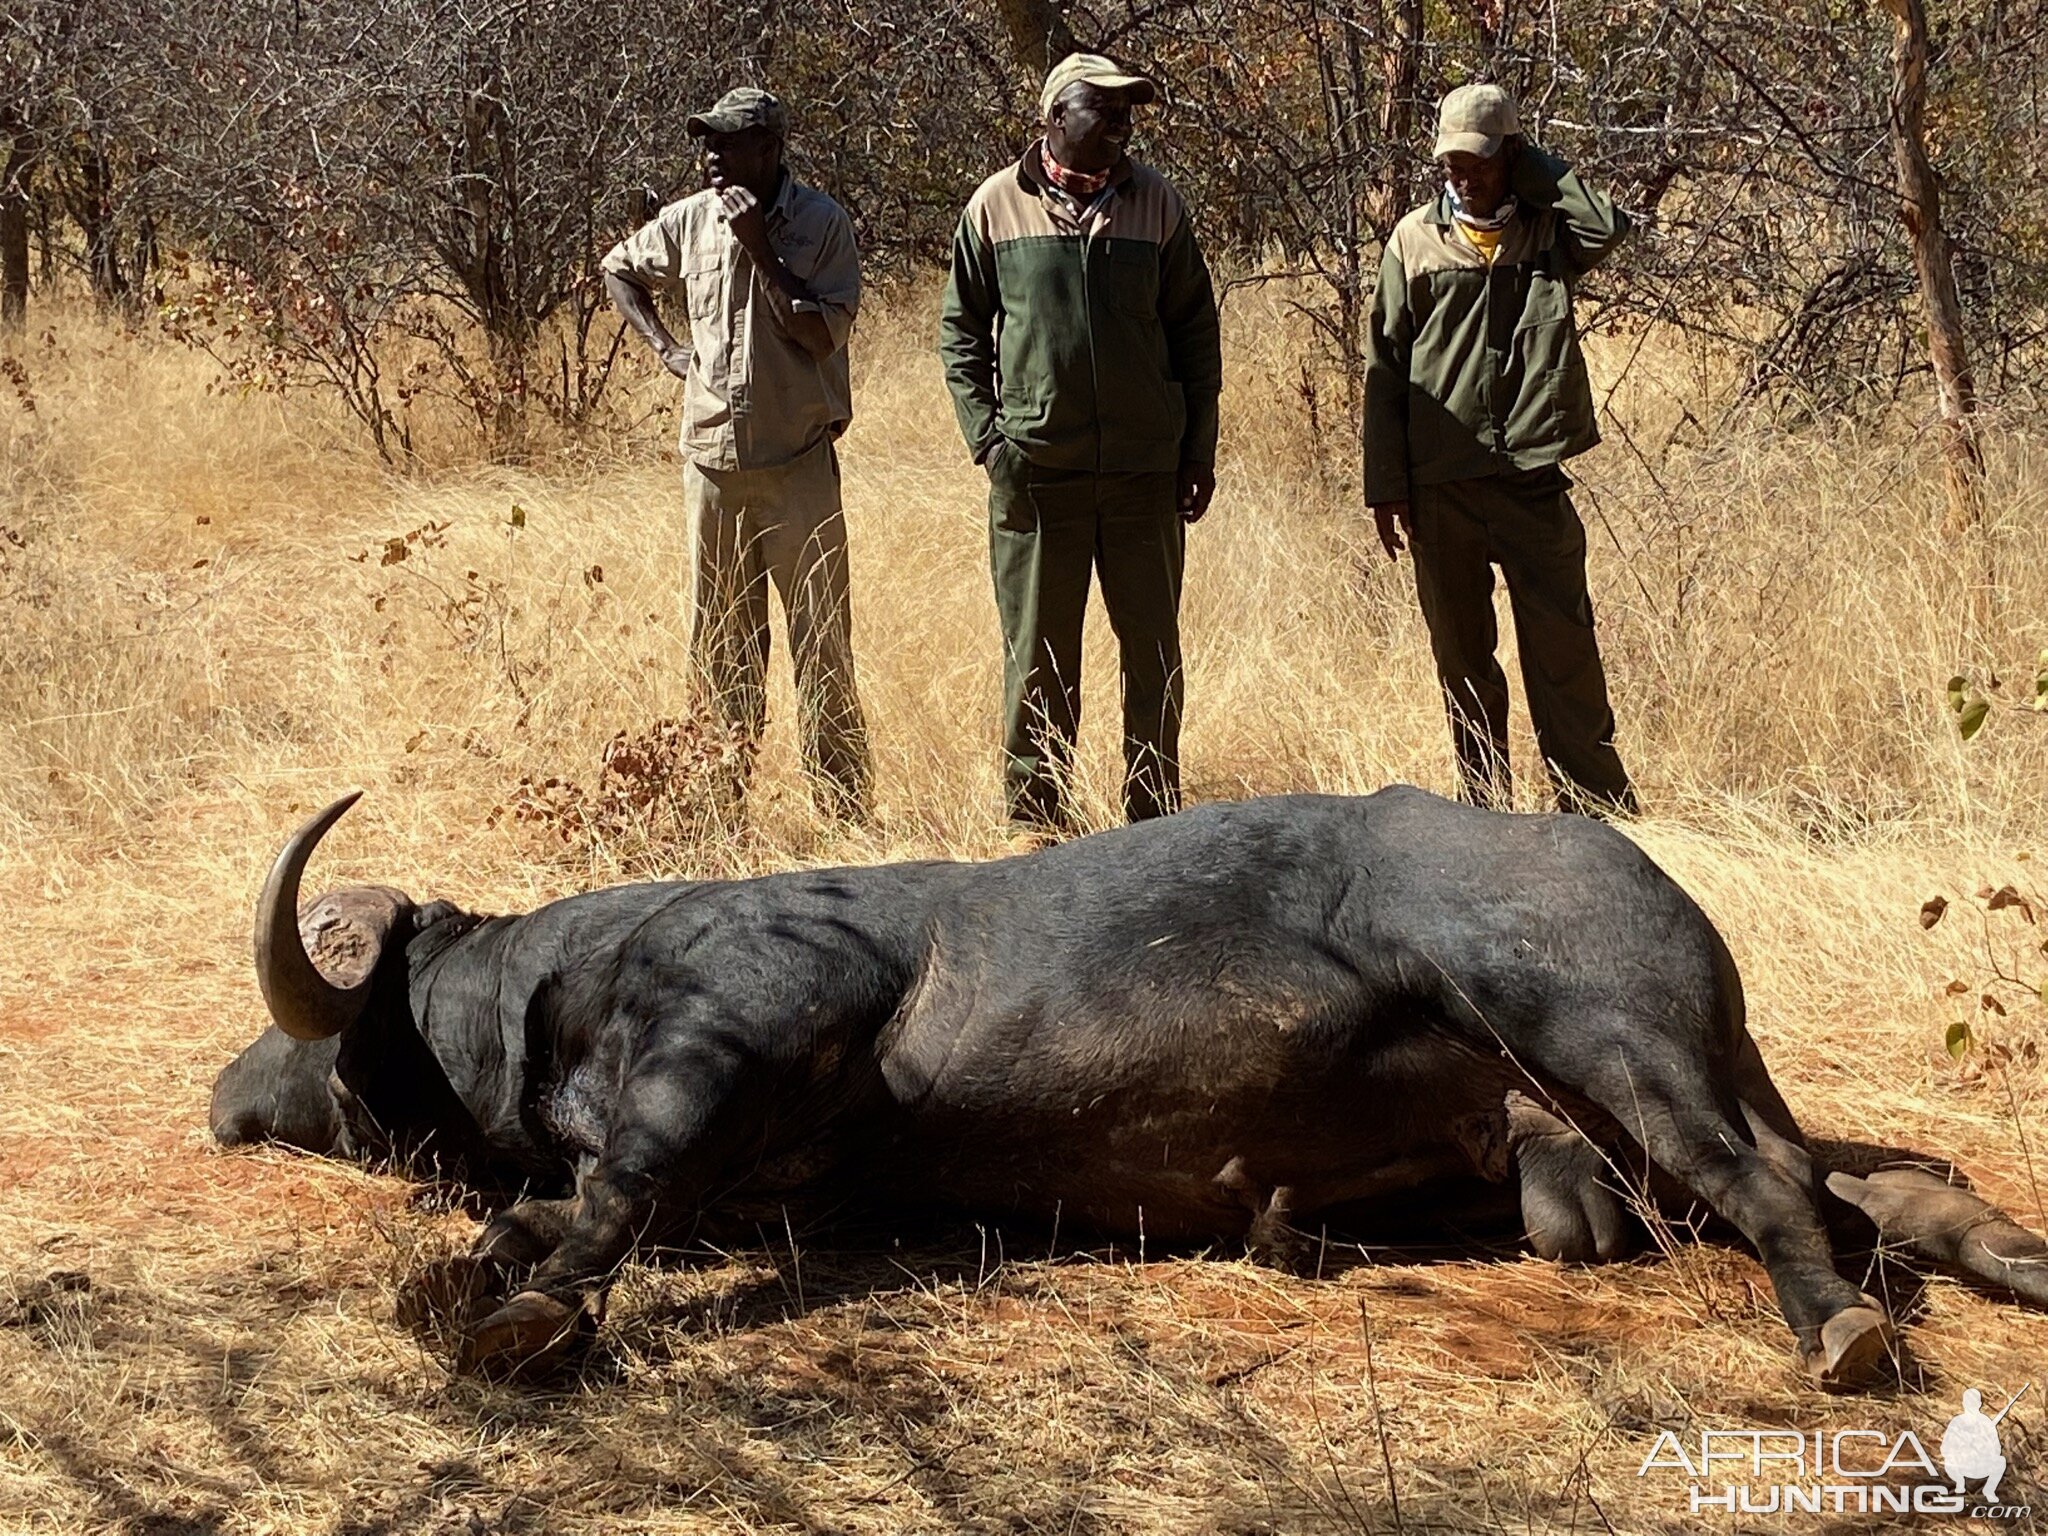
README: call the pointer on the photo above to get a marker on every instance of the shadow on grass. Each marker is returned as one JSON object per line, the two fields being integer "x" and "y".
{"x": 926, "y": 1375}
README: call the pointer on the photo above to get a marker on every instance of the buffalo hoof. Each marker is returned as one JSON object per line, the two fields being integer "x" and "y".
{"x": 448, "y": 1290}
{"x": 526, "y": 1338}
{"x": 1278, "y": 1246}
{"x": 1854, "y": 1343}
{"x": 439, "y": 1303}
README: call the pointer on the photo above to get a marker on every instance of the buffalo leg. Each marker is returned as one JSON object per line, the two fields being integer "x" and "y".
{"x": 1911, "y": 1207}
{"x": 1769, "y": 1118}
{"x": 1748, "y": 1172}
{"x": 449, "y": 1293}
{"x": 1571, "y": 1210}
{"x": 527, "y": 1233}
{"x": 1952, "y": 1227}
{"x": 674, "y": 1128}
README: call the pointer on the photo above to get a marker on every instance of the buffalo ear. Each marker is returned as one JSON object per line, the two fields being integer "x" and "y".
{"x": 345, "y": 931}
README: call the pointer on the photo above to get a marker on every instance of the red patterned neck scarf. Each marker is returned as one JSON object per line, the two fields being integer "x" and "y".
{"x": 1076, "y": 184}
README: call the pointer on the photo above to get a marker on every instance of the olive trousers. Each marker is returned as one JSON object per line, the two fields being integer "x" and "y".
{"x": 1524, "y": 522}
{"x": 1050, "y": 531}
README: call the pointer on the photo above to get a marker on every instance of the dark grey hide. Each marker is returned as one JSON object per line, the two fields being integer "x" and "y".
{"x": 1214, "y": 1026}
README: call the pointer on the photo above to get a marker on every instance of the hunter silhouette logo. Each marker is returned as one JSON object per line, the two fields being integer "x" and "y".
{"x": 1844, "y": 1471}
{"x": 1969, "y": 1447}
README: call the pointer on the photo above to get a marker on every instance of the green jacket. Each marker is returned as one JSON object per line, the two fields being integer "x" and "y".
{"x": 1088, "y": 341}
{"x": 1471, "y": 369}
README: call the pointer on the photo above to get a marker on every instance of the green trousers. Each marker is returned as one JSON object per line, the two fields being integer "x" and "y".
{"x": 1049, "y": 531}
{"x": 1523, "y": 522}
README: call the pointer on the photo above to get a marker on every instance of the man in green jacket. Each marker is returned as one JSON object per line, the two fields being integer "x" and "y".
{"x": 1080, "y": 342}
{"x": 1476, "y": 393}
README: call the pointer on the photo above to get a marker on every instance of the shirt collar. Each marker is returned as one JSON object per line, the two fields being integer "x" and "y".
{"x": 1442, "y": 209}
{"x": 1032, "y": 174}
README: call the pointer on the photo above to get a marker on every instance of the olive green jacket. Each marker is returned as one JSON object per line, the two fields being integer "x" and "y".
{"x": 1472, "y": 369}
{"x": 1089, "y": 339}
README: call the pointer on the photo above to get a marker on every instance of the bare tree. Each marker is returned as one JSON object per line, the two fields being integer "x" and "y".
{"x": 17, "y": 177}
{"x": 405, "y": 200}
{"x": 1039, "y": 34}
{"x": 1400, "y": 74}
{"x": 1920, "y": 209}
{"x": 24, "y": 83}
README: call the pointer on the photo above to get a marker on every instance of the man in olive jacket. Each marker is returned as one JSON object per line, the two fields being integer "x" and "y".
{"x": 1080, "y": 342}
{"x": 1476, "y": 393}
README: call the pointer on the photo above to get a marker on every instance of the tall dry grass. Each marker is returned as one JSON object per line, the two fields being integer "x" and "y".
{"x": 202, "y": 640}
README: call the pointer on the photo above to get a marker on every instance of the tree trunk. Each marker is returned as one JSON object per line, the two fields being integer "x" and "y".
{"x": 1039, "y": 35}
{"x": 1340, "y": 71}
{"x": 47, "y": 210}
{"x": 15, "y": 180}
{"x": 483, "y": 210}
{"x": 149, "y": 258}
{"x": 89, "y": 199}
{"x": 1679, "y": 108}
{"x": 1920, "y": 209}
{"x": 1400, "y": 74}
{"x": 1494, "y": 21}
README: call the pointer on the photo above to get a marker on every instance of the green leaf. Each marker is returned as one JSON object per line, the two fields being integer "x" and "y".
{"x": 518, "y": 515}
{"x": 2041, "y": 682}
{"x": 1958, "y": 1039}
{"x": 1973, "y": 715}
{"x": 1958, "y": 692}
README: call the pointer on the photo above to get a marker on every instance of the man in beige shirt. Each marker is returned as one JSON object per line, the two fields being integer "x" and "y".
{"x": 768, "y": 270}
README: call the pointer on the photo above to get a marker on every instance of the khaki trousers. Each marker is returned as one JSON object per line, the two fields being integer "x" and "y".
{"x": 1525, "y": 523}
{"x": 754, "y": 526}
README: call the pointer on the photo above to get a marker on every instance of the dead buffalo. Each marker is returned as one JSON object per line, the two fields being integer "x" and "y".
{"x": 1214, "y": 1026}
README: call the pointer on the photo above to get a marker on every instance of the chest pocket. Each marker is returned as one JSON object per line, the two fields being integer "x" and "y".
{"x": 1549, "y": 297}
{"x": 797, "y": 251}
{"x": 1548, "y": 302}
{"x": 704, "y": 289}
{"x": 1130, "y": 277}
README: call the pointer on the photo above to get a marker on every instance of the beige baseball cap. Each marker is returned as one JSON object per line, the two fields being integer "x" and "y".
{"x": 1474, "y": 120}
{"x": 1094, "y": 69}
{"x": 744, "y": 106}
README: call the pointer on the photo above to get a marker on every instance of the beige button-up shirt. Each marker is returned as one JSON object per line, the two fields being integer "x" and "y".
{"x": 754, "y": 398}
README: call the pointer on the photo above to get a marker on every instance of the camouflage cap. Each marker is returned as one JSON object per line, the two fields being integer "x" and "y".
{"x": 1474, "y": 120}
{"x": 742, "y": 107}
{"x": 1094, "y": 69}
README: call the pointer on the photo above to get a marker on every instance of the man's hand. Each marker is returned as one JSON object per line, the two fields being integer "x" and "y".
{"x": 637, "y": 307}
{"x": 742, "y": 211}
{"x": 782, "y": 288}
{"x": 1393, "y": 519}
{"x": 1533, "y": 173}
{"x": 1194, "y": 485}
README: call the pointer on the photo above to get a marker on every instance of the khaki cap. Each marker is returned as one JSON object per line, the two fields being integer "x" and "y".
{"x": 742, "y": 107}
{"x": 1094, "y": 69}
{"x": 1473, "y": 120}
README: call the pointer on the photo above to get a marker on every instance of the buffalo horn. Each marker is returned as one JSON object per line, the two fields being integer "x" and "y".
{"x": 304, "y": 1003}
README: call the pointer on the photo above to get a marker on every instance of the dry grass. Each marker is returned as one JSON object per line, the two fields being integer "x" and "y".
{"x": 192, "y": 1341}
